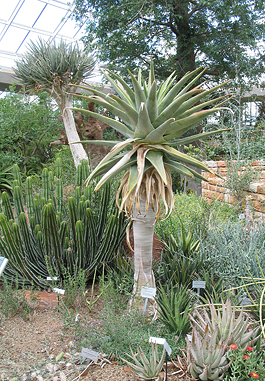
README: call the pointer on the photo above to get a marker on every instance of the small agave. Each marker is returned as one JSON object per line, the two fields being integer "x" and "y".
{"x": 229, "y": 327}
{"x": 145, "y": 368}
{"x": 206, "y": 355}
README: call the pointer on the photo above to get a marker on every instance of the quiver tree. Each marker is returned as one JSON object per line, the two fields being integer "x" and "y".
{"x": 154, "y": 119}
{"x": 52, "y": 68}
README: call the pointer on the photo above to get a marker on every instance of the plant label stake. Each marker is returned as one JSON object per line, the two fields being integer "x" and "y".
{"x": 59, "y": 292}
{"x": 147, "y": 293}
{"x": 158, "y": 340}
{"x": 3, "y": 263}
{"x": 198, "y": 284}
{"x": 89, "y": 354}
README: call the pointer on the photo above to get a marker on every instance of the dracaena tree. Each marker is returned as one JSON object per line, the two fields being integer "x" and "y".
{"x": 53, "y": 68}
{"x": 153, "y": 120}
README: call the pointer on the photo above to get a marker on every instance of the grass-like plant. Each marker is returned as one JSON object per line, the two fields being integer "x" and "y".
{"x": 174, "y": 305}
{"x": 144, "y": 368}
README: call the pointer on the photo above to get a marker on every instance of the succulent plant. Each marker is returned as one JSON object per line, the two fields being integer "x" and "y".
{"x": 230, "y": 326}
{"x": 41, "y": 243}
{"x": 206, "y": 355}
{"x": 145, "y": 368}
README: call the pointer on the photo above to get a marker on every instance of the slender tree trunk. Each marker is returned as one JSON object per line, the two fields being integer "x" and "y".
{"x": 77, "y": 150}
{"x": 143, "y": 231}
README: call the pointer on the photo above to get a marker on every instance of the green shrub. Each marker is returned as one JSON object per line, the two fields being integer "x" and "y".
{"x": 234, "y": 250}
{"x": 196, "y": 215}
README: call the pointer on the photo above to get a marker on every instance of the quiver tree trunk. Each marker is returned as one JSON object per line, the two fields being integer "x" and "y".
{"x": 77, "y": 150}
{"x": 143, "y": 232}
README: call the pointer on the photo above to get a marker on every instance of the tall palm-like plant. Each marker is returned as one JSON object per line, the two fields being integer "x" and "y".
{"x": 154, "y": 119}
{"x": 48, "y": 67}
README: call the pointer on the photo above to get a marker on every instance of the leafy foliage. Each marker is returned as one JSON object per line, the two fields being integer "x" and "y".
{"x": 177, "y": 34}
{"x": 27, "y": 126}
{"x": 234, "y": 250}
{"x": 196, "y": 215}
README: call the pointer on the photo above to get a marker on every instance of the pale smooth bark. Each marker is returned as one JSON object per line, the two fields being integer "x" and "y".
{"x": 64, "y": 102}
{"x": 77, "y": 150}
{"x": 143, "y": 232}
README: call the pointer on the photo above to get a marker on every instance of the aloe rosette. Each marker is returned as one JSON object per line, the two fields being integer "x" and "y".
{"x": 152, "y": 120}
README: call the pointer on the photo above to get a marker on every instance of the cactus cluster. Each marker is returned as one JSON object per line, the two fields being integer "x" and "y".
{"x": 212, "y": 335}
{"x": 48, "y": 237}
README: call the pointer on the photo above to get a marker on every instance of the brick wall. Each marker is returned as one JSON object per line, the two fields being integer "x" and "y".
{"x": 214, "y": 189}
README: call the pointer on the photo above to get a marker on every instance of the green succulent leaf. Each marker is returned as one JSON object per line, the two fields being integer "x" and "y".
{"x": 118, "y": 126}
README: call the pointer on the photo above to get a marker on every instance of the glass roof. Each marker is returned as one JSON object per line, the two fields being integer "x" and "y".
{"x": 25, "y": 20}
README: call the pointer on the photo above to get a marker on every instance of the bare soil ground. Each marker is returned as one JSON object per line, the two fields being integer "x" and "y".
{"x": 30, "y": 350}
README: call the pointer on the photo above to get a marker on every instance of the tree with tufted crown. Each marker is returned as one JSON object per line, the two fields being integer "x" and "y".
{"x": 153, "y": 120}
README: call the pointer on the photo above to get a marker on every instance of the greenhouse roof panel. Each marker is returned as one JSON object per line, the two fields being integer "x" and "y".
{"x": 22, "y": 21}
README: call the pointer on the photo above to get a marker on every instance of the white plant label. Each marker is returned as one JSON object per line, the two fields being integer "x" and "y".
{"x": 148, "y": 292}
{"x": 198, "y": 284}
{"x": 58, "y": 291}
{"x": 51, "y": 278}
{"x": 158, "y": 340}
{"x": 89, "y": 354}
{"x": 189, "y": 337}
{"x": 3, "y": 263}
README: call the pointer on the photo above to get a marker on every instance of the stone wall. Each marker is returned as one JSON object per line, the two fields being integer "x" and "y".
{"x": 254, "y": 196}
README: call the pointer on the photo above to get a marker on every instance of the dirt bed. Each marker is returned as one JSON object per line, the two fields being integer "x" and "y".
{"x": 30, "y": 350}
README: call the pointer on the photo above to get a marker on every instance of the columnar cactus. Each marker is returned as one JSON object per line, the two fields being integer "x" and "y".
{"x": 45, "y": 243}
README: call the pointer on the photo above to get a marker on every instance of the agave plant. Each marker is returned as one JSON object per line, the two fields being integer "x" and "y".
{"x": 154, "y": 119}
{"x": 230, "y": 326}
{"x": 206, "y": 355}
{"x": 145, "y": 368}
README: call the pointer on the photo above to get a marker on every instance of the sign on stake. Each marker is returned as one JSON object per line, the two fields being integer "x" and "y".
{"x": 3, "y": 263}
{"x": 198, "y": 284}
{"x": 89, "y": 354}
{"x": 147, "y": 293}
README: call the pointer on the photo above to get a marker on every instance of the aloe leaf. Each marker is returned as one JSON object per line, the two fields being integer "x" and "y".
{"x": 165, "y": 86}
{"x": 187, "y": 105}
{"x": 151, "y": 77}
{"x": 87, "y": 88}
{"x": 133, "y": 177}
{"x": 122, "y": 93}
{"x": 193, "y": 138}
{"x": 179, "y": 168}
{"x": 108, "y": 143}
{"x": 139, "y": 93}
{"x": 151, "y": 103}
{"x": 156, "y": 159}
{"x": 110, "y": 107}
{"x": 132, "y": 113}
{"x": 168, "y": 99}
{"x": 118, "y": 167}
{"x": 144, "y": 126}
{"x": 126, "y": 87}
{"x": 180, "y": 126}
{"x": 191, "y": 110}
{"x": 170, "y": 111}
{"x": 156, "y": 136}
{"x": 186, "y": 88}
{"x": 113, "y": 152}
{"x": 118, "y": 126}
{"x": 182, "y": 157}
